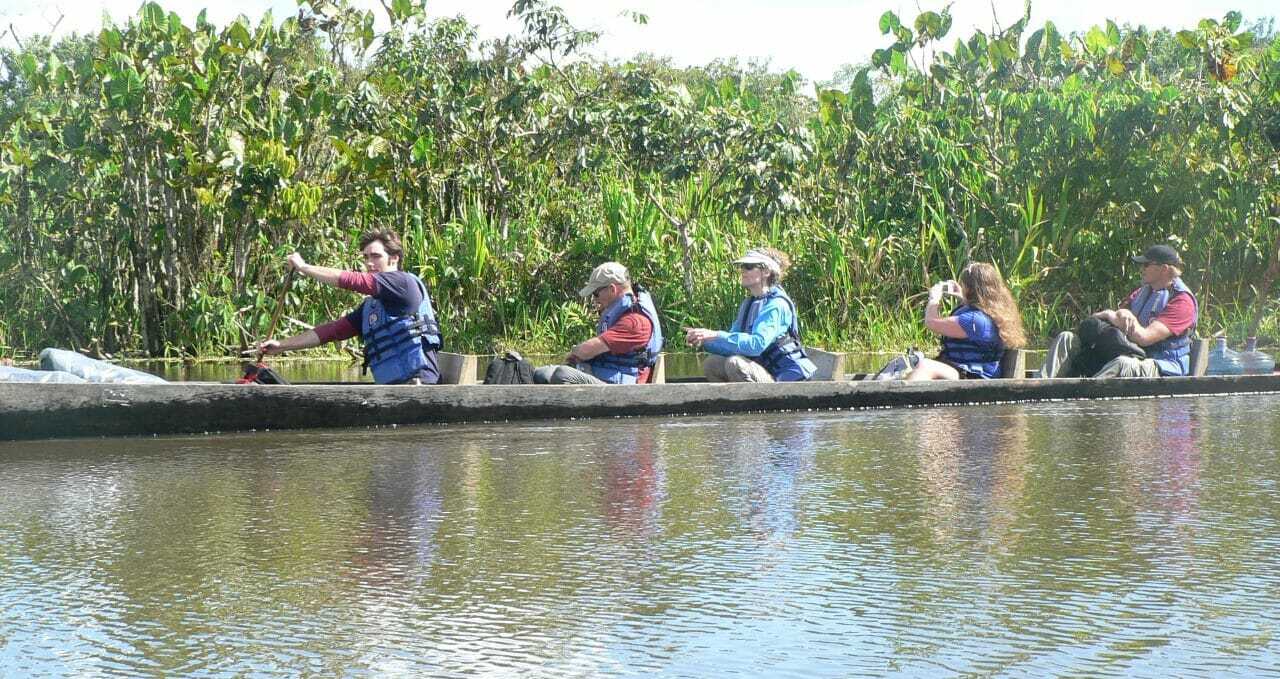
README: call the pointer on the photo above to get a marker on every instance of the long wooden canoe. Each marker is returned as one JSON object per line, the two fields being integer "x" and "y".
{"x": 38, "y": 411}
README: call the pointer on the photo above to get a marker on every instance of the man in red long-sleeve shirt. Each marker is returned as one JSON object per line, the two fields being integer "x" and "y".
{"x": 395, "y": 299}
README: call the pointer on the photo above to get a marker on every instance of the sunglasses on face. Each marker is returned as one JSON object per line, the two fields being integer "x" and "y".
{"x": 749, "y": 267}
{"x": 595, "y": 294}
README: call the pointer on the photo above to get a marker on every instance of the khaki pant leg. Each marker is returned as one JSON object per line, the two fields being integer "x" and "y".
{"x": 1058, "y": 360}
{"x": 713, "y": 368}
{"x": 563, "y": 374}
{"x": 542, "y": 374}
{"x": 743, "y": 369}
{"x": 1130, "y": 366}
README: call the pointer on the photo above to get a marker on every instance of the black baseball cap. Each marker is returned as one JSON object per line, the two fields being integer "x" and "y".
{"x": 1159, "y": 254}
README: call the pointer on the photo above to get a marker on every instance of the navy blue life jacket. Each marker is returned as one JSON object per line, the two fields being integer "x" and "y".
{"x": 981, "y": 359}
{"x": 785, "y": 359}
{"x": 625, "y": 368}
{"x": 1172, "y": 354}
{"x": 394, "y": 345}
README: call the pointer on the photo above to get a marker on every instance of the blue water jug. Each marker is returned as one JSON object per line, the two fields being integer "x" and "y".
{"x": 1223, "y": 361}
{"x": 1256, "y": 362}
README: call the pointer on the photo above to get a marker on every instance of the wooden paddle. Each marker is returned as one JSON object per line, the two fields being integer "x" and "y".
{"x": 275, "y": 317}
{"x": 252, "y": 371}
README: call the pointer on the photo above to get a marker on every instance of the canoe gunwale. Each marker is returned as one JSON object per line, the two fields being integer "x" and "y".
{"x": 43, "y": 411}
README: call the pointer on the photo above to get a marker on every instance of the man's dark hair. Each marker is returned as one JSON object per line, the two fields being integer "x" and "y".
{"x": 390, "y": 241}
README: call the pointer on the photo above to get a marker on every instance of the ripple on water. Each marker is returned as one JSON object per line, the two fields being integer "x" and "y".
{"x": 1029, "y": 540}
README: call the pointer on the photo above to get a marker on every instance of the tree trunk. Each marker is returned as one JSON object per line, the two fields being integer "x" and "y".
{"x": 1260, "y": 301}
{"x": 686, "y": 241}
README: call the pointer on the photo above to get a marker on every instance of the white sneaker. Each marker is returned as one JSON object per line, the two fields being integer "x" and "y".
{"x": 900, "y": 366}
{"x": 896, "y": 369}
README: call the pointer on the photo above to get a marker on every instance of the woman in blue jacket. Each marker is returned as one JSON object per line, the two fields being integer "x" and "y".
{"x": 763, "y": 344}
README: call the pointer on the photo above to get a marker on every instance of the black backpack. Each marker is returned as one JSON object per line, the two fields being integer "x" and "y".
{"x": 510, "y": 368}
{"x": 1100, "y": 342}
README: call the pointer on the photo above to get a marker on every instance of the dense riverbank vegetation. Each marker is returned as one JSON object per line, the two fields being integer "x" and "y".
{"x": 152, "y": 176}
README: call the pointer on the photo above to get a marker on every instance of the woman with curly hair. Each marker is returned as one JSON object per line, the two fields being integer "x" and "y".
{"x": 974, "y": 336}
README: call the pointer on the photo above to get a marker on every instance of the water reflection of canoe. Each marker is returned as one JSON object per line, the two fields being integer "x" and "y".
{"x": 35, "y": 411}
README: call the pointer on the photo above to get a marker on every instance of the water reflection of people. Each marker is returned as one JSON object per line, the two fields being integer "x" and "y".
{"x": 1163, "y": 463}
{"x": 770, "y": 460}
{"x": 399, "y": 537}
{"x": 635, "y": 479}
{"x": 973, "y": 468}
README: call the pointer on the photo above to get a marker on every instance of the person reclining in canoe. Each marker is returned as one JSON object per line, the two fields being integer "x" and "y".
{"x": 1159, "y": 317}
{"x": 763, "y": 344}
{"x": 396, "y": 321}
{"x": 628, "y": 336}
{"x": 975, "y": 335}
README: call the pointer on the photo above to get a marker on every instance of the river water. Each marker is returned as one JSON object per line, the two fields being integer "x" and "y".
{"x": 1122, "y": 538}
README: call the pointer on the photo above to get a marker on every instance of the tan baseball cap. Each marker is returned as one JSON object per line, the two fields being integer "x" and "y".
{"x": 605, "y": 274}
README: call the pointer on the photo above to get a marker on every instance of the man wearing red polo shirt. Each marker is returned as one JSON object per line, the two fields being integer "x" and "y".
{"x": 628, "y": 339}
{"x": 1159, "y": 316}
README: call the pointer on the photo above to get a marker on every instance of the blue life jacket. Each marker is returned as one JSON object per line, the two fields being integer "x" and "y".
{"x": 625, "y": 368}
{"x": 981, "y": 359}
{"x": 1172, "y": 354}
{"x": 785, "y": 358}
{"x": 394, "y": 345}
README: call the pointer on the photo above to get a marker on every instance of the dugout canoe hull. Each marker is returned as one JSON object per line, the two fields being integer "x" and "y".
{"x": 42, "y": 411}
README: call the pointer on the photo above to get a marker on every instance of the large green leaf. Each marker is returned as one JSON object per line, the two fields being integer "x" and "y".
{"x": 238, "y": 35}
{"x": 109, "y": 40}
{"x": 898, "y": 62}
{"x": 402, "y": 10}
{"x": 421, "y": 150}
{"x": 1001, "y": 52}
{"x": 1035, "y": 44}
{"x": 73, "y": 136}
{"x": 152, "y": 17}
{"x": 28, "y": 66}
{"x": 881, "y": 57}
{"x": 1096, "y": 41}
{"x": 1113, "y": 34}
{"x": 889, "y": 22}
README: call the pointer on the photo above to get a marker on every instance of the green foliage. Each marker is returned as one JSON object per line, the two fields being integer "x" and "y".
{"x": 153, "y": 176}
